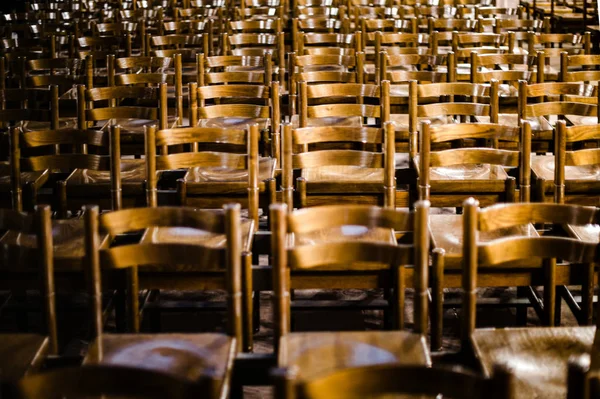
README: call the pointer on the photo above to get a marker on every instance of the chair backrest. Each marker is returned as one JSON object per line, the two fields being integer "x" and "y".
{"x": 62, "y": 72}
{"x": 391, "y": 379}
{"x": 304, "y": 138}
{"x": 125, "y": 382}
{"x": 204, "y": 258}
{"x": 579, "y": 68}
{"x": 499, "y": 252}
{"x": 344, "y": 254}
{"x": 553, "y": 44}
{"x": 211, "y": 148}
{"x": 449, "y": 106}
{"x": 483, "y": 43}
{"x": 505, "y": 68}
{"x": 326, "y": 43}
{"x": 582, "y": 157}
{"x": 234, "y": 69}
{"x": 148, "y": 103}
{"x": 402, "y": 68}
{"x": 493, "y": 133}
{"x": 235, "y": 101}
{"x": 78, "y": 158}
{"x": 556, "y": 99}
{"x": 40, "y": 225}
{"x": 19, "y": 106}
{"x": 343, "y": 100}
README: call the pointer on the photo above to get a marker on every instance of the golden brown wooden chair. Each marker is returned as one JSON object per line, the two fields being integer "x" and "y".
{"x": 448, "y": 177}
{"x": 224, "y": 166}
{"x": 553, "y": 44}
{"x": 151, "y": 72}
{"x": 130, "y": 107}
{"x": 508, "y": 70}
{"x": 579, "y": 68}
{"x": 124, "y": 382}
{"x": 234, "y": 69}
{"x": 445, "y": 103}
{"x": 571, "y": 174}
{"x": 238, "y": 106}
{"x": 326, "y": 43}
{"x": 534, "y": 348}
{"x": 312, "y": 248}
{"x": 345, "y": 104}
{"x": 23, "y": 352}
{"x": 463, "y": 44}
{"x": 89, "y": 176}
{"x": 336, "y": 164}
{"x": 209, "y": 256}
{"x": 322, "y": 69}
{"x": 394, "y": 380}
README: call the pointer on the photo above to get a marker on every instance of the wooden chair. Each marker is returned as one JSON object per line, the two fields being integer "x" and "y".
{"x": 62, "y": 72}
{"x": 395, "y": 44}
{"x": 380, "y": 380}
{"x": 235, "y": 106}
{"x": 325, "y": 43}
{"x": 87, "y": 175}
{"x": 235, "y": 69}
{"x": 311, "y": 248}
{"x": 223, "y": 167}
{"x": 322, "y": 69}
{"x": 150, "y": 72}
{"x": 447, "y": 177}
{"x": 346, "y": 104}
{"x": 446, "y": 103}
{"x": 93, "y": 380}
{"x": 25, "y": 352}
{"x": 579, "y": 68}
{"x": 552, "y": 346}
{"x": 131, "y": 107}
{"x": 210, "y": 257}
{"x": 553, "y": 44}
{"x": 569, "y": 176}
{"x": 344, "y": 169}
{"x": 463, "y": 44}
{"x": 544, "y": 104}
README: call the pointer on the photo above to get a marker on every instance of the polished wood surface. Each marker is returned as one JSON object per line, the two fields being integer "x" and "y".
{"x": 539, "y": 356}
{"x": 315, "y": 354}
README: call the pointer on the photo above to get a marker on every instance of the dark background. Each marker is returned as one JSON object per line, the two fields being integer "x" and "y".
{"x": 10, "y": 5}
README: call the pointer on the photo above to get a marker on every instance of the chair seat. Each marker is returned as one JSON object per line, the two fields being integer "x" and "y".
{"x": 579, "y": 120}
{"x": 233, "y": 122}
{"x": 343, "y": 173}
{"x": 266, "y": 170}
{"x": 68, "y": 239}
{"x": 542, "y": 128}
{"x": 133, "y": 129}
{"x": 184, "y": 235}
{"x": 21, "y": 354}
{"x": 187, "y": 356}
{"x": 543, "y": 168}
{"x": 447, "y": 233}
{"x": 63, "y": 123}
{"x": 354, "y": 121}
{"x": 539, "y": 356}
{"x": 133, "y": 175}
{"x": 476, "y": 178}
{"x": 317, "y": 353}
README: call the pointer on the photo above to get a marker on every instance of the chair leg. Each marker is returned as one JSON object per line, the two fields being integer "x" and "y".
{"x": 437, "y": 299}
{"x": 522, "y": 310}
{"x": 558, "y": 308}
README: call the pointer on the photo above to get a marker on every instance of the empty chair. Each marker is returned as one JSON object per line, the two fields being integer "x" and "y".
{"x": 317, "y": 247}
